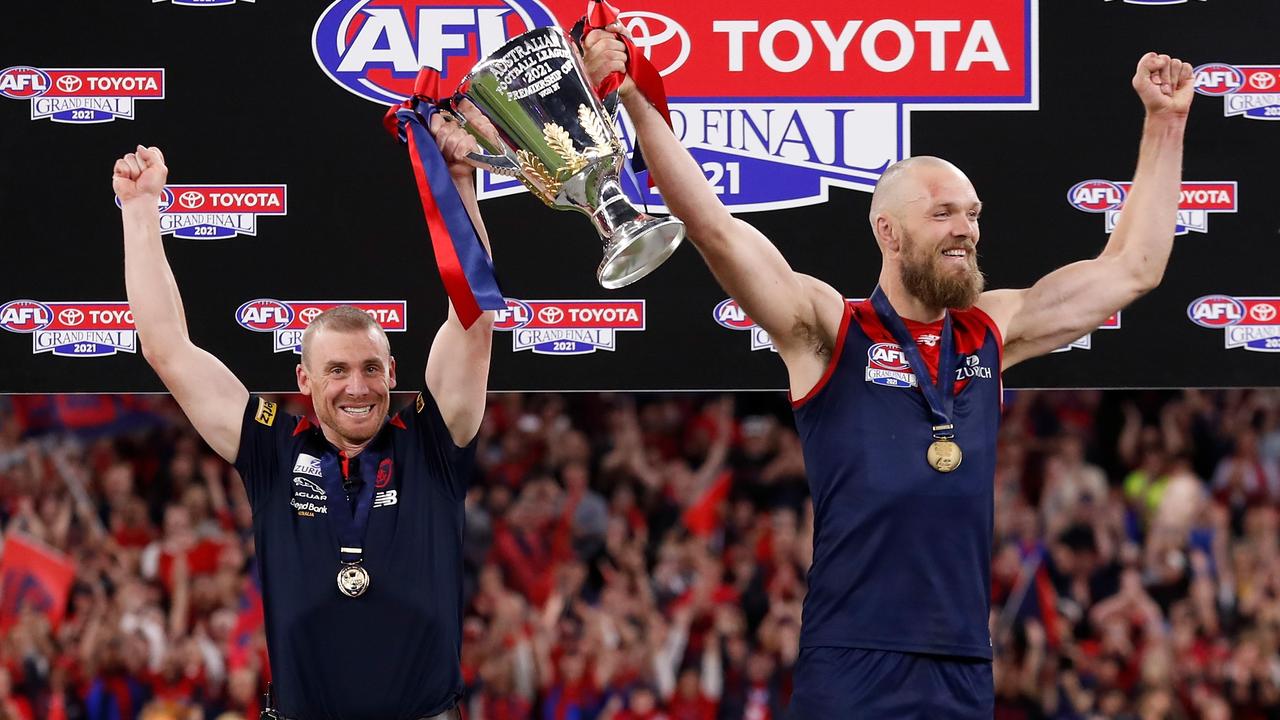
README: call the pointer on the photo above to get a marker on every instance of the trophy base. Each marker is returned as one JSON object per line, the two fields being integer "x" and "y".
{"x": 637, "y": 248}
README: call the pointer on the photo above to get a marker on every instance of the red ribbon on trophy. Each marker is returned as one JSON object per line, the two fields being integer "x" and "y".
{"x": 465, "y": 268}
{"x": 600, "y": 14}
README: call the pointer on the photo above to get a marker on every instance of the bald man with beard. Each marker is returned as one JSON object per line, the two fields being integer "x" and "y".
{"x": 897, "y": 399}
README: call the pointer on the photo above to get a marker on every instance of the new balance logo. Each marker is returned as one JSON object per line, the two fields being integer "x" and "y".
{"x": 385, "y": 498}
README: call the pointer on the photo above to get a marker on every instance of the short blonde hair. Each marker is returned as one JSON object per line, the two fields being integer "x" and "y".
{"x": 343, "y": 318}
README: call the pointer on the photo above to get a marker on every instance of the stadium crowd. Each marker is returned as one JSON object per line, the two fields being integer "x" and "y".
{"x": 643, "y": 557}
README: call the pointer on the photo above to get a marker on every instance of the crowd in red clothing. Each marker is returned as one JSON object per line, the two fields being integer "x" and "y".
{"x": 643, "y": 557}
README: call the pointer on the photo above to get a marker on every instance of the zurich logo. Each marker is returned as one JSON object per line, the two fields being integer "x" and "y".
{"x": 374, "y": 48}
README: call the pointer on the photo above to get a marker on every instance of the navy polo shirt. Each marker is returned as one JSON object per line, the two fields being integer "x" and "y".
{"x": 393, "y": 652}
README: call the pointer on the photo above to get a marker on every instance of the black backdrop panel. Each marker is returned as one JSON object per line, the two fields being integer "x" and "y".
{"x": 261, "y": 137}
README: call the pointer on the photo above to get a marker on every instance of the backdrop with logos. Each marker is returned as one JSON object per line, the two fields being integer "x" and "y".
{"x": 288, "y": 196}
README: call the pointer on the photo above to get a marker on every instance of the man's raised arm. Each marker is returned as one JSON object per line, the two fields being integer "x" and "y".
{"x": 212, "y": 398}
{"x": 800, "y": 314}
{"x": 1074, "y": 300}
{"x": 458, "y": 364}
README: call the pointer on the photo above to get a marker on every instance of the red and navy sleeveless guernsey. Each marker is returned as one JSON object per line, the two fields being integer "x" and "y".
{"x": 901, "y": 551}
{"x": 393, "y": 652}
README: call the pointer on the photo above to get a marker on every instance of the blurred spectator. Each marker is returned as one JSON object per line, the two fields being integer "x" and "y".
{"x": 644, "y": 558}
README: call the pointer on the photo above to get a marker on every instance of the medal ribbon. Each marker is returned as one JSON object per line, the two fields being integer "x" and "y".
{"x": 465, "y": 268}
{"x": 940, "y": 397}
{"x": 351, "y": 525}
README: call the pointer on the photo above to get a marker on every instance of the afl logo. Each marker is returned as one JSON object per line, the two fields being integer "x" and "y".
{"x": 729, "y": 314}
{"x": 516, "y": 316}
{"x": 25, "y": 316}
{"x": 887, "y": 366}
{"x": 23, "y": 83}
{"x": 264, "y": 315}
{"x": 1096, "y": 196}
{"x": 373, "y": 48}
{"x": 887, "y": 356}
{"x": 1215, "y": 311}
{"x": 1218, "y": 79}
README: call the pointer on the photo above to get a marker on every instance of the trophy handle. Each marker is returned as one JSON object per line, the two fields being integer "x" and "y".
{"x": 493, "y": 160}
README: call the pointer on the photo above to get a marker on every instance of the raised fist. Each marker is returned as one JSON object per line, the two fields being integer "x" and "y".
{"x": 139, "y": 174}
{"x": 605, "y": 55}
{"x": 1165, "y": 84}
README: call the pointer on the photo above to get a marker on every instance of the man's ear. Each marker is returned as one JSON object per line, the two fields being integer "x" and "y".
{"x": 887, "y": 233}
{"x": 304, "y": 380}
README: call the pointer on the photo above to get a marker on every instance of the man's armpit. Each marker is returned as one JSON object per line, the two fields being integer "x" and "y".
{"x": 811, "y": 339}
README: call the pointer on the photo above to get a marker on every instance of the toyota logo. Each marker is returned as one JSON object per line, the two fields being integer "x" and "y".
{"x": 69, "y": 83}
{"x": 1262, "y": 81}
{"x": 191, "y": 199}
{"x": 550, "y": 315}
{"x": 71, "y": 317}
{"x": 1263, "y": 313}
{"x": 309, "y": 314}
{"x": 649, "y": 31}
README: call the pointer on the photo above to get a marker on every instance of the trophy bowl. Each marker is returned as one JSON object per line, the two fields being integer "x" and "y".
{"x": 555, "y": 137}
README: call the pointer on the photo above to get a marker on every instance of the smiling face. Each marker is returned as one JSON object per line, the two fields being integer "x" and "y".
{"x": 349, "y": 375}
{"x": 926, "y": 215}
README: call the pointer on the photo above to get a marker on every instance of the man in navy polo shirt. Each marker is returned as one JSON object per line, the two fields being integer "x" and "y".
{"x": 357, "y": 520}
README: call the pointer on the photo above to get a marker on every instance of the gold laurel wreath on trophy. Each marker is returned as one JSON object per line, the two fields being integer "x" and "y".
{"x": 606, "y": 143}
{"x": 559, "y": 140}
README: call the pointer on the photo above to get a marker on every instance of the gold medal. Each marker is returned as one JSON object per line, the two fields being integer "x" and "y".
{"x": 944, "y": 455}
{"x": 353, "y": 580}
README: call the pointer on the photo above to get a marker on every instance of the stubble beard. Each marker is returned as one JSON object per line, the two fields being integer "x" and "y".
{"x": 332, "y": 417}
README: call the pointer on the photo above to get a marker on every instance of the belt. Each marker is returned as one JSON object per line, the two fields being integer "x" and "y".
{"x": 450, "y": 714}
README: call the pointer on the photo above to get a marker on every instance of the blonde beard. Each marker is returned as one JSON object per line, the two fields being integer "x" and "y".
{"x": 922, "y": 279}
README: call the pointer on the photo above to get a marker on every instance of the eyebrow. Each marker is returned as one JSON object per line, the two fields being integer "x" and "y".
{"x": 366, "y": 361}
{"x": 977, "y": 205}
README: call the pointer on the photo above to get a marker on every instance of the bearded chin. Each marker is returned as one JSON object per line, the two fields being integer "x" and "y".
{"x": 935, "y": 289}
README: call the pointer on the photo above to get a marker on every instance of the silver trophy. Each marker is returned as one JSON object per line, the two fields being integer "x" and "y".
{"x": 557, "y": 139}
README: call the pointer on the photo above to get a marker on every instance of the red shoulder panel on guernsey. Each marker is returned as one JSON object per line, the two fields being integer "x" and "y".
{"x": 980, "y": 315}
